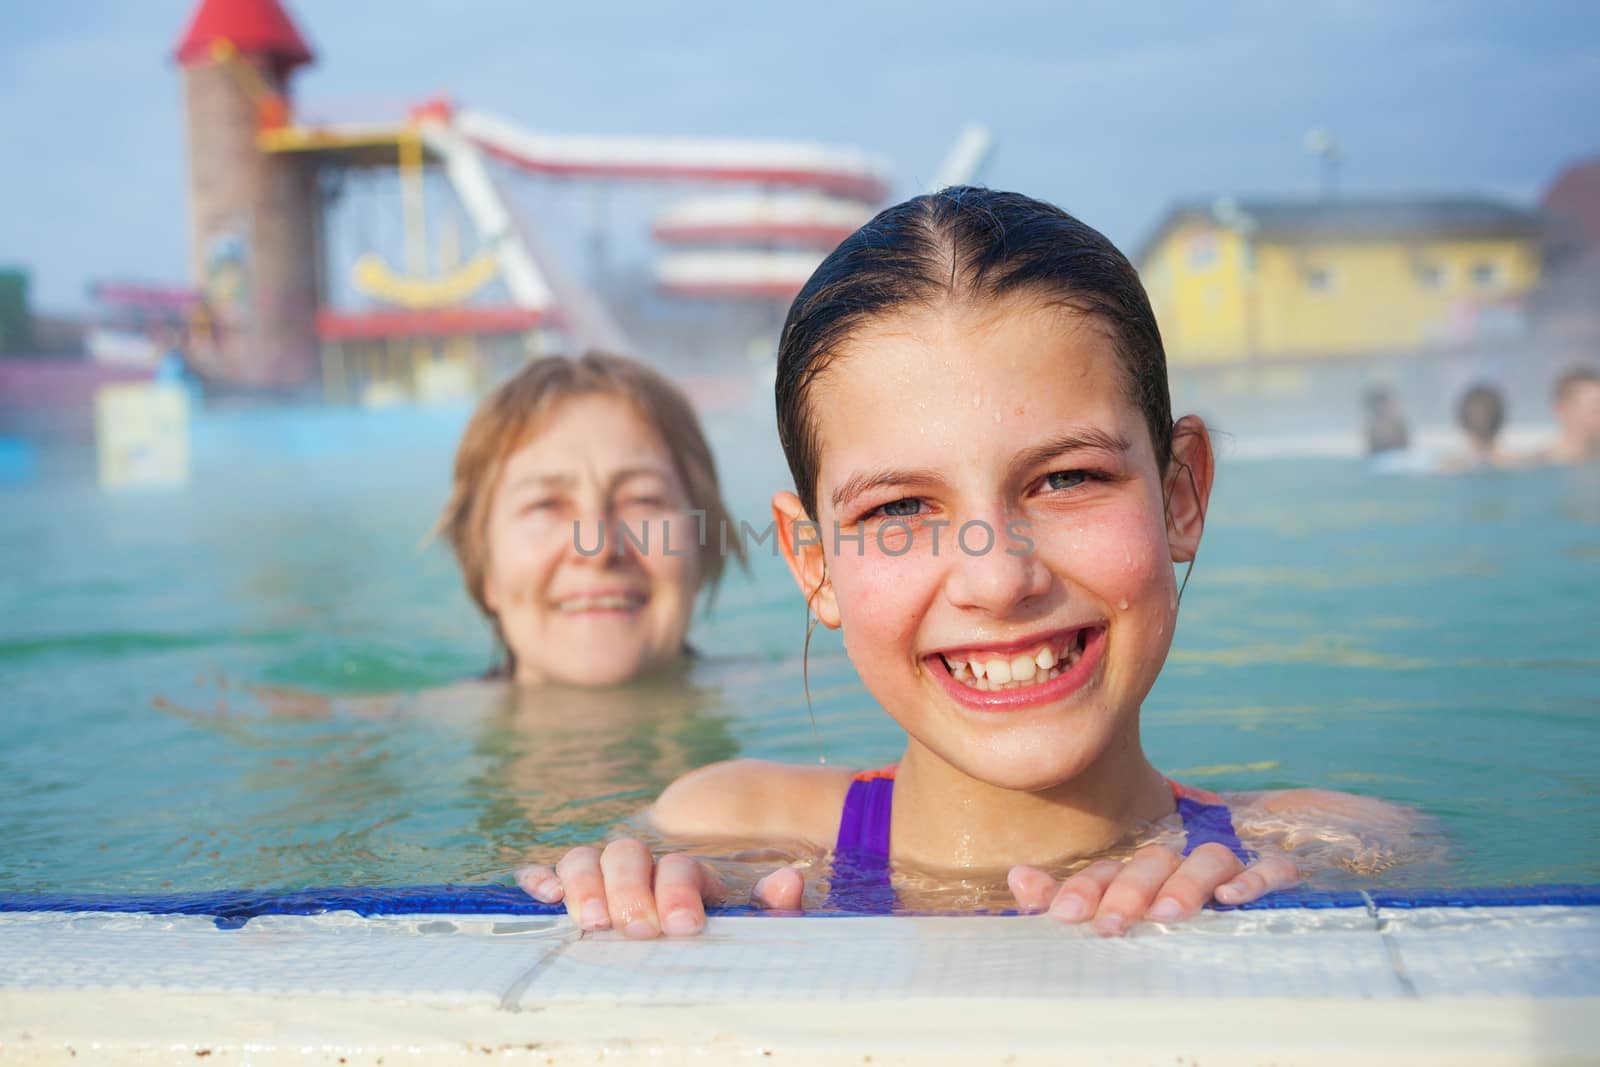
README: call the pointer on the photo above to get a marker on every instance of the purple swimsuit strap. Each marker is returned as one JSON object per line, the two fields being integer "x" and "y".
{"x": 860, "y": 878}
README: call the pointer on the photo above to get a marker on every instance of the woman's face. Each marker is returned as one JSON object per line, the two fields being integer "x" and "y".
{"x": 1010, "y": 425}
{"x": 568, "y": 612}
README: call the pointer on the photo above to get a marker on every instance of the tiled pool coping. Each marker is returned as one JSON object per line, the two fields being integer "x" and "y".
{"x": 1488, "y": 983}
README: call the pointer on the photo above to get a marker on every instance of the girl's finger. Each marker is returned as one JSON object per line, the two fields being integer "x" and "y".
{"x": 1192, "y": 884}
{"x": 782, "y": 890}
{"x": 540, "y": 883}
{"x": 683, "y": 886}
{"x": 629, "y": 872}
{"x": 1032, "y": 888}
{"x": 1128, "y": 897}
{"x": 1080, "y": 895}
{"x": 1272, "y": 871}
{"x": 584, "y": 888}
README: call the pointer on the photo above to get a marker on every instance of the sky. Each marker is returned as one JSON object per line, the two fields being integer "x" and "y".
{"x": 1111, "y": 111}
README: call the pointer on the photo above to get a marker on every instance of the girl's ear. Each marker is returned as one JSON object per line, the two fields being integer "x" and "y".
{"x": 801, "y": 541}
{"x": 1188, "y": 486}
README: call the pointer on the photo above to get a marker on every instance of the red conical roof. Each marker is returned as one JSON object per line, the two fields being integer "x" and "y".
{"x": 254, "y": 27}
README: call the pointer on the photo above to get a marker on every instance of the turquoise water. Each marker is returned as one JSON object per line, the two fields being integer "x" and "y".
{"x": 239, "y": 684}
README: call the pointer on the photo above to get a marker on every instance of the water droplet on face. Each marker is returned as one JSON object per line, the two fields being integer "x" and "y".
{"x": 1122, "y": 605}
{"x": 997, "y": 416}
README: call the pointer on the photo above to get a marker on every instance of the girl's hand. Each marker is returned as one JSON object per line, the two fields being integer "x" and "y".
{"x": 623, "y": 887}
{"x": 1156, "y": 884}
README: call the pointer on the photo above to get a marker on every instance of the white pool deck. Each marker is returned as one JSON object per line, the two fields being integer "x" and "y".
{"x": 1298, "y": 986}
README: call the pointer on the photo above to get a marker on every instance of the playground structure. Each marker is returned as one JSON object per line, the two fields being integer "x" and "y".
{"x": 276, "y": 313}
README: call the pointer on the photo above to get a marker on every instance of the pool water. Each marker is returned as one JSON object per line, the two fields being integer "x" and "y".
{"x": 258, "y": 681}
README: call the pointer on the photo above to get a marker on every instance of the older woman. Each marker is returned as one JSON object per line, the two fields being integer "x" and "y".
{"x": 583, "y": 490}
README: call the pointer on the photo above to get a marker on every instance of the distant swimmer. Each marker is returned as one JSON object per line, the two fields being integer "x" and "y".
{"x": 1386, "y": 429}
{"x": 1481, "y": 414}
{"x": 1576, "y": 402}
{"x": 1388, "y": 435}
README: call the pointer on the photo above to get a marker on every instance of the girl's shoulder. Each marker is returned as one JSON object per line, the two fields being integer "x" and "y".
{"x": 749, "y": 797}
{"x": 1325, "y": 802}
{"x": 1324, "y": 828}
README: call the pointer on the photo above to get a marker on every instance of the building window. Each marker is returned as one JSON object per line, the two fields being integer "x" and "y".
{"x": 1486, "y": 274}
{"x": 1319, "y": 279}
{"x": 1430, "y": 276}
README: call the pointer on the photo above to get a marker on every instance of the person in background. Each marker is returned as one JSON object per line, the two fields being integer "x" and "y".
{"x": 1386, "y": 429}
{"x": 583, "y": 492}
{"x": 1481, "y": 414}
{"x": 1575, "y": 400}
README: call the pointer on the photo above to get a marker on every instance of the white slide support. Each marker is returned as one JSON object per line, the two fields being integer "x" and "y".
{"x": 470, "y": 178}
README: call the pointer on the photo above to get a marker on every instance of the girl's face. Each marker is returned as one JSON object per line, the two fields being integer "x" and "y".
{"x": 940, "y": 429}
{"x": 568, "y": 613}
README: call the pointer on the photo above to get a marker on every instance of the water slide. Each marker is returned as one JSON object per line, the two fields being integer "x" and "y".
{"x": 844, "y": 172}
{"x": 766, "y": 245}
{"x": 839, "y": 186}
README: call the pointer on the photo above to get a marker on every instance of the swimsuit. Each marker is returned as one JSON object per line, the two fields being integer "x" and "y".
{"x": 861, "y": 855}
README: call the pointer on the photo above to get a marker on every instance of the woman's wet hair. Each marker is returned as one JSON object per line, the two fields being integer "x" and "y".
{"x": 517, "y": 410}
{"x": 972, "y": 245}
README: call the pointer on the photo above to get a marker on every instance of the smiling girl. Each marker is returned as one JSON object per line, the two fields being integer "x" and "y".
{"x": 990, "y": 498}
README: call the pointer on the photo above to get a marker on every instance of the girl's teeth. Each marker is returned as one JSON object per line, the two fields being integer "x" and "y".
{"x": 990, "y": 675}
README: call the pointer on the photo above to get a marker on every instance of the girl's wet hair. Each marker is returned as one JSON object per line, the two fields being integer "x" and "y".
{"x": 963, "y": 244}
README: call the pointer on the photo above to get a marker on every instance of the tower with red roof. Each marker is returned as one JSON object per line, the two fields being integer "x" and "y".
{"x": 253, "y": 214}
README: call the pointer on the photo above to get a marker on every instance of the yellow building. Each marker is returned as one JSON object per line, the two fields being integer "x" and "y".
{"x": 1240, "y": 280}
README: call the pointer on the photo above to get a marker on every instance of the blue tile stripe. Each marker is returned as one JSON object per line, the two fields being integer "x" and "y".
{"x": 233, "y": 908}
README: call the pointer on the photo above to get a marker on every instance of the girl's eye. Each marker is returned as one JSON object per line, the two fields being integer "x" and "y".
{"x": 543, "y": 504}
{"x": 898, "y": 509}
{"x": 1065, "y": 479}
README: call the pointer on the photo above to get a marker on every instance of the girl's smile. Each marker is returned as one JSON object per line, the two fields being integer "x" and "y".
{"x": 1020, "y": 674}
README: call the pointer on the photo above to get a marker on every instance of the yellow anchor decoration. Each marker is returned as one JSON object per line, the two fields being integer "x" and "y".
{"x": 372, "y": 276}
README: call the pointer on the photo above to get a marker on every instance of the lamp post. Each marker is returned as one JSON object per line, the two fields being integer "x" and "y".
{"x": 1320, "y": 143}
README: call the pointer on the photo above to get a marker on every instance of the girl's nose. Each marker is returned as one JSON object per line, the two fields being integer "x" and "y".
{"x": 992, "y": 569}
